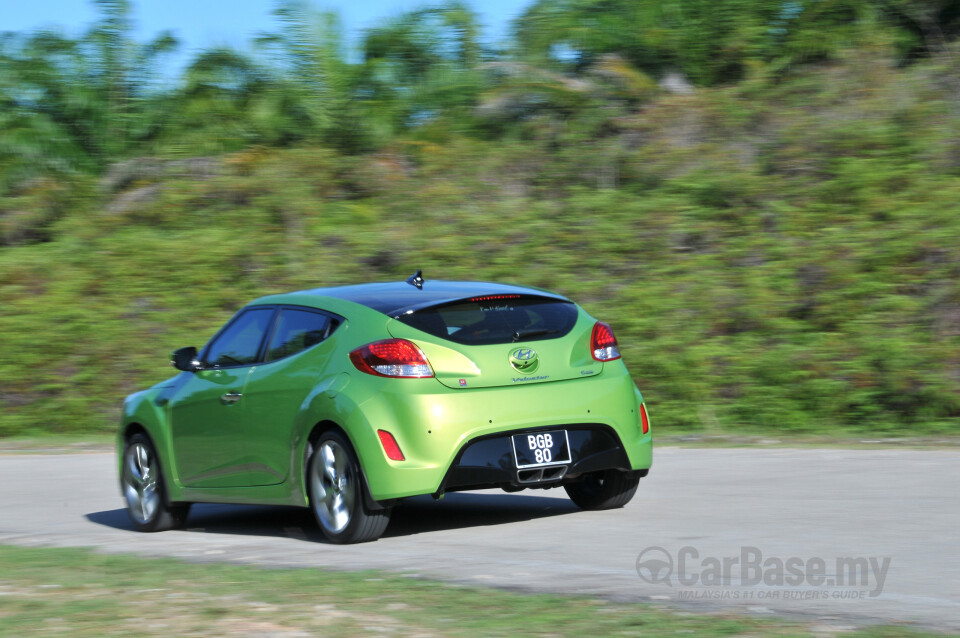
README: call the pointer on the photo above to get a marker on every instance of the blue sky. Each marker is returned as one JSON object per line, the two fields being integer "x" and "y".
{"x": 202, "y": 23}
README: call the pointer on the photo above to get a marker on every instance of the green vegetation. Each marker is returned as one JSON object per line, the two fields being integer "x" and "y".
{"x": 46, "y": 592}
{"x": 777, "y": 249}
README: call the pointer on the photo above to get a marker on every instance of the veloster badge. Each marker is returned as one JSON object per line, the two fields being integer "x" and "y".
{"x": 525, "y": 360}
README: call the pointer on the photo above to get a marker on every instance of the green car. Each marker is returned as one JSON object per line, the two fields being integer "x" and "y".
{"x": 347, "y": 400}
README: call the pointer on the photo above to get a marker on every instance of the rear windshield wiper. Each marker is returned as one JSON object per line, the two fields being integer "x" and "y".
{"x": 520, "y": 335}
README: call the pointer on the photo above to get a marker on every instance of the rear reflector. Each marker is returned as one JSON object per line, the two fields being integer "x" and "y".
{"x": 397, "y": 358}
{"x": 390, "y": 446}
{"x": 603, "y": 344}
{"x": 644, "y": 421}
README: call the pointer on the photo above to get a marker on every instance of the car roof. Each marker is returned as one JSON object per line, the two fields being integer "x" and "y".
{"x": 397, "y": 297}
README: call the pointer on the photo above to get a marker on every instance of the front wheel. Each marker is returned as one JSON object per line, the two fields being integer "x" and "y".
{"x": 143, "y": 489}
{"x": 604, "y": 490}
{"x": 335, "y": 484}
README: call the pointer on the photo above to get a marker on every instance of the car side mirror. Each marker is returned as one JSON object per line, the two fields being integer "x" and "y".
{"x": 185, "y": 359}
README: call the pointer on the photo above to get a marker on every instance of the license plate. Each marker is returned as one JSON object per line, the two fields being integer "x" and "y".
{"x": 541, "y": 448}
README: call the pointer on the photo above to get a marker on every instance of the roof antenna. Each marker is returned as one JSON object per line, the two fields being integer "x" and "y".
{"x": 416, "y": 279}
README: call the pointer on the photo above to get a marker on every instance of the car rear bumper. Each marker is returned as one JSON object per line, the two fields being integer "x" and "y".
{"x": 489, "y": 461}
{"x": 460, "y": 439}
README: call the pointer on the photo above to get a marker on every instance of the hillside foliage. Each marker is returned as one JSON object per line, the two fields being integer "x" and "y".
{"x": 775, "y": 242}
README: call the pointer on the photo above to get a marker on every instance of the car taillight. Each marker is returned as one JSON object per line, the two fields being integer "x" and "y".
{"x": 494, "y": 297}
{"x": 397, "y": 358}
{"x": 390, "y": 446}
{"x": 644, "y": 421}
{"x": 603, "y": 344}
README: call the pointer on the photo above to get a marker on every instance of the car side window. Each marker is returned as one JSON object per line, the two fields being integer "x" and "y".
{"x": 297, "y": 330}
{"x": 239, "y": 344}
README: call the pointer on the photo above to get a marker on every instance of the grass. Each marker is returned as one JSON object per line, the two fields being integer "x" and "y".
{"x": 55, "y": 592}
{"x": 777, "y": 259}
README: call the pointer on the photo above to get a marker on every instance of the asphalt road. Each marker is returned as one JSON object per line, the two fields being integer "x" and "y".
{"x": 800, "y": 504}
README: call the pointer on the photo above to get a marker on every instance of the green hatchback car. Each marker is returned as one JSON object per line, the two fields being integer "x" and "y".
{"x": 347, "y": 400}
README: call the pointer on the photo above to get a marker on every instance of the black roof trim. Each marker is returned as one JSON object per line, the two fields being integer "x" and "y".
{"x": 394, "y": 298}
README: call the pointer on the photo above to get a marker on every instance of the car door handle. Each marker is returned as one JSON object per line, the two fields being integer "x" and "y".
{"x": 230, "y": 398}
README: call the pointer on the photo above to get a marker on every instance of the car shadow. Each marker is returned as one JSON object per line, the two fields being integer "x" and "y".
{"x": 417, "y": 515}
{"x": 457, "y": 510}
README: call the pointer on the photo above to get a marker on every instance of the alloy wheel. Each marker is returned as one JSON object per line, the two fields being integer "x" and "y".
{"x": 140, "y": 483}
{"x": 334, "y": 486}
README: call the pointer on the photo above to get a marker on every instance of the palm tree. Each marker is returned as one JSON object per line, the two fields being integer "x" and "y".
{"x": 69, "y": 104}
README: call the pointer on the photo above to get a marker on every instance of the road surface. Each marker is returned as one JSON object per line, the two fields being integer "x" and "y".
{"x": 873, "y": 508}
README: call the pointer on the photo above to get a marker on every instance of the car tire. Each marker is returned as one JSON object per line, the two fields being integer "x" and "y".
{"x": 605, "y": 490}
{"x": 336, "y": 489}
{"x": 144, "y": 489}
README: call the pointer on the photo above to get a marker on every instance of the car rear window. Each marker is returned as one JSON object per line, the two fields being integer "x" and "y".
{"x": 495, "y": 319}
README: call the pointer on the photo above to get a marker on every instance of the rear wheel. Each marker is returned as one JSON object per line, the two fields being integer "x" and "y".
{"x": 335, "y": 484}
{"x": 143, "y": 489}
{"x": 605, "y": 490}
